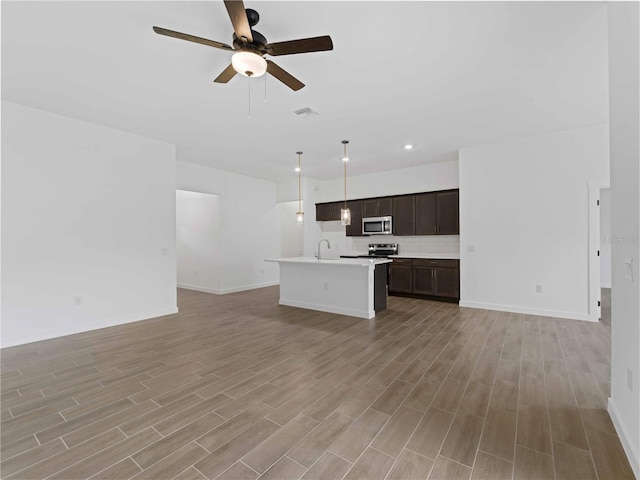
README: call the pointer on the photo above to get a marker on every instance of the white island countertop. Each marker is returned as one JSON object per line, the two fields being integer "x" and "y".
{"x": 335, "y": 285}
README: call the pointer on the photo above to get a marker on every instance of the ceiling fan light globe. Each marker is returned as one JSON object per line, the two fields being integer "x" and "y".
{"x": 249, "y": 64}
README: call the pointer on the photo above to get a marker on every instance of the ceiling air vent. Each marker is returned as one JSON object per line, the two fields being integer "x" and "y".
{"x": 306, "y": 112}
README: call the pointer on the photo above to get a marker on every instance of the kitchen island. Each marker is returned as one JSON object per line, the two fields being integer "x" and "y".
{"x": 348, "y": 286}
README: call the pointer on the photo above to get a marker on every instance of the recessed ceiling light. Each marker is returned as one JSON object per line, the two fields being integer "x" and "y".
{"x": 408, "y": 146}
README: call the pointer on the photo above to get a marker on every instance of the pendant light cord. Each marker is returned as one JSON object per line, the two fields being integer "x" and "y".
{"x": 345, "y": 176}
{"x": 299, "y": 198}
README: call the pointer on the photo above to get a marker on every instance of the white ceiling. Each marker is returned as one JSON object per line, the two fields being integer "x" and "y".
{"x": 439, "y": 75}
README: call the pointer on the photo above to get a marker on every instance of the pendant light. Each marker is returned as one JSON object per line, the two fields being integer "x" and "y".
{"x": 345, "y": 213}
{"x": 299, "y": 213}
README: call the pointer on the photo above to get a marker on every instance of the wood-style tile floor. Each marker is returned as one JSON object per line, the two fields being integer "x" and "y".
{"x": 238, "y": 387}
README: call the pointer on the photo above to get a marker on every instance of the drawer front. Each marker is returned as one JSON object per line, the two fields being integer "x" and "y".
{"x": 445, "y": 263}
{"x": 402, "y": 261}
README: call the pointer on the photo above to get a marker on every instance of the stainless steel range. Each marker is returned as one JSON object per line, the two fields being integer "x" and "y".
{"x": 378, "y": 250}
{"x": 382, "y": 250}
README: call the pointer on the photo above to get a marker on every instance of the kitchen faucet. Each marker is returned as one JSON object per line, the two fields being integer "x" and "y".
{"x": 328, "y": 246}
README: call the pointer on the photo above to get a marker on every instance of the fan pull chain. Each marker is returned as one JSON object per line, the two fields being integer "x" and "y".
{"x": 249, "y": 83}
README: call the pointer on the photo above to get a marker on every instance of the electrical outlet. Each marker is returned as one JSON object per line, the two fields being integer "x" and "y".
{"x": 539, "y": 288}
{"x": 195, "y": 273}
{"x": 326, "y": 285}
{"x": 77, "y": 301}
{"x": 630, "y": 379}
{"x": 262, "y": 271}
{"x": 471, "y": 248}
{"x": 164, "y": 251}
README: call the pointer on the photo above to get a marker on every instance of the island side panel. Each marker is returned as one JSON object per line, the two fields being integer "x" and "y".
{"x": 342, "y": 289}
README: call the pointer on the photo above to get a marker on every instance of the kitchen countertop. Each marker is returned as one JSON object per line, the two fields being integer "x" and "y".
{"x": 353, "y": 262}
{"x": 435, "y": 256}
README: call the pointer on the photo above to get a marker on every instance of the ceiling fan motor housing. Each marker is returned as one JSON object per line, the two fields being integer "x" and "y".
{"x": 259, "y": 41}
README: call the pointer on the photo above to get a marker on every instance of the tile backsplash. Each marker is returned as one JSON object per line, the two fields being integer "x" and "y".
{"x": 423, "y": 244}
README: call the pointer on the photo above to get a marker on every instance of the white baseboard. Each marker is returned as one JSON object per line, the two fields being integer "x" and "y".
{"x": 630, "y": 449}
{"x": 85, "y": 327}
{"x": 605, "y": 285}
{"x": 197, "y": 288}
{"x": 529, "y": 311}
{"x": 223, "y": 291}
{"x": 249, "y": 287}
{"x": 326, "y": 308}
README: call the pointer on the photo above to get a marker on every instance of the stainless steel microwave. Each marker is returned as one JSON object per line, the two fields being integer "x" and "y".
{"x": 377, "y": 226}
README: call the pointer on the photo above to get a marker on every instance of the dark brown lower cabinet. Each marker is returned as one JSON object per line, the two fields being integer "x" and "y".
{"x": 400, "y": 276}
{"x": 426, "y": 277}
{"x": 447, "y": 282}
{"x": 424, "y": 280}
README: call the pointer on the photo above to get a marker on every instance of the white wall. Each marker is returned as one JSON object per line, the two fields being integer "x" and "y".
{"x": 423, "y": 178}
{"x": 524, "y": 209}
{"x": 624, "y": 51}
{"x": 249, "y": 224}
{"x": 198, "y": 241}
{"x": 291, "y": 232}
{"x": 605, "y": 238}
{"x": 88, "y": 212}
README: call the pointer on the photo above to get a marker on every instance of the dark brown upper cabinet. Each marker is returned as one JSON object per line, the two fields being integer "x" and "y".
{"x": 431, "y": 213}
{"x": 377, "y": 207}
{"x": 328, "y": 211}
{"x": 449, "y": 213}
{"x": 323, "y": 212}
{"x": 355, "y": 229}
{"x": 437, "y": 213}
{"x": 404, "y": 211}
{"x": 426, "y": 214}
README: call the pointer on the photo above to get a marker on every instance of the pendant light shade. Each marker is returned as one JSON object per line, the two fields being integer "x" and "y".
{"x": 299, "y": 213}
{"x": 345, "y": 213}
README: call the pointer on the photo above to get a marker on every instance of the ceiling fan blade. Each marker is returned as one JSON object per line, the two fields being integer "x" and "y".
{"x": 192, "y": 38}
{"x": 235, "y": 9}
{"x": 285, "y": 77}
{"x": 304, "y": 45}
{"x": 226, "y": 75}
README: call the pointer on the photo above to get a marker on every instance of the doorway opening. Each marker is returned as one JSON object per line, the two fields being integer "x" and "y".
{"x": 197, "y": 241}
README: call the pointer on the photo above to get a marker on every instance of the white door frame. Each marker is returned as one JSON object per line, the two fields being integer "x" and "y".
{"x": 593, "y": 259}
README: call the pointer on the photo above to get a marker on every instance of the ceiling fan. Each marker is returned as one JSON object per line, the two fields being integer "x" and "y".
{"x": 250, "y": 47}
